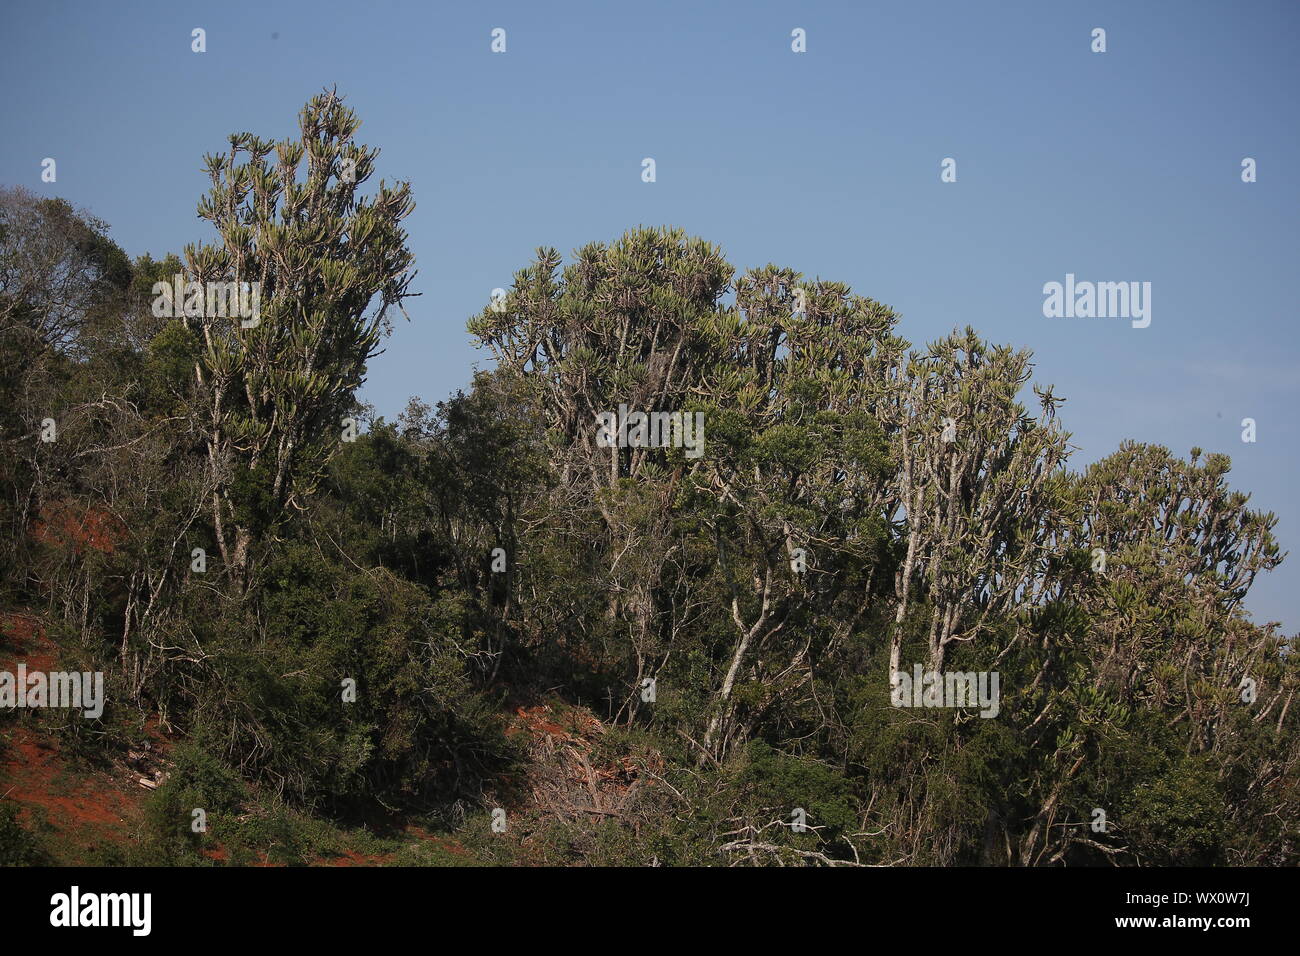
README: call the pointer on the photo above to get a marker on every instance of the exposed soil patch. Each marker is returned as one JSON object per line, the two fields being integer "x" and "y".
{"x": 566, "y": 777}
{"x": 76, "y": 528}
{"x": 23, "y": 639}
{"x": 86, "y": 808}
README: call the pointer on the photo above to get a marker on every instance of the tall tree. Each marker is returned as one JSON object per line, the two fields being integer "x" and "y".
{"x": 979, "y": 487}
{"x": 331, "y": 263}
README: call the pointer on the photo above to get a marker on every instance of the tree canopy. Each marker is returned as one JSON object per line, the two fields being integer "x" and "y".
{"x": 208, "y": 529}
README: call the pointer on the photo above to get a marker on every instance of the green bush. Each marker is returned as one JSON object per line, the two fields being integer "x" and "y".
{"x": 18, "y": 845}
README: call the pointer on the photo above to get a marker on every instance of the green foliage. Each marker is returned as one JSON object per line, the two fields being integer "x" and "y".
{"x": 18, "y": 845}
{"x": 860, "y": 507}
{"x": 415, "y": 731}
{"x": 198, "y": 780}
{"x": 1178, "y": 818}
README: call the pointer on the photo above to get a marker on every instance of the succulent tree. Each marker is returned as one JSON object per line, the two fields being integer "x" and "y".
{"x": 619, "y": 327}
{"x": 800, "y": 481}
{"x": 331, "y": 263}
{"x": 1181, "y": 550}
{"x": 979, "y": 489}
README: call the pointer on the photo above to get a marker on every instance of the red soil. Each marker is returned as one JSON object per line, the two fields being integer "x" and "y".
{"x": 85, "y": 808}
{"x": 22, "y": 638}
{"x": 77, "y": 528}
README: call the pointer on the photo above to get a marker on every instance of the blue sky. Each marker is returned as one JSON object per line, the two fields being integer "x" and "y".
{"x": 1116, "y": 166}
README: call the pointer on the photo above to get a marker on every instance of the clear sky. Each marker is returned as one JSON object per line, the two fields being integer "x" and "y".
{"x": 1123, "y": 165}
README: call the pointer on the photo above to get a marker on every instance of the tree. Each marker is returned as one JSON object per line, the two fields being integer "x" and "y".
{"x": 331, "y": 264}
{"x": 979, "y": 481}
